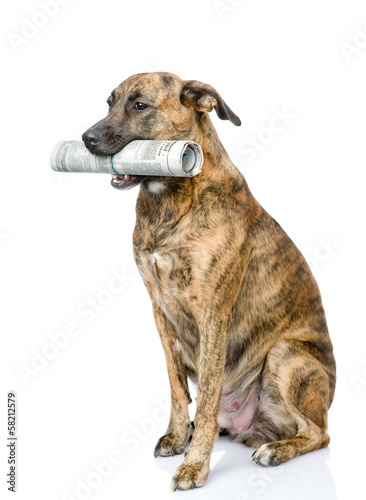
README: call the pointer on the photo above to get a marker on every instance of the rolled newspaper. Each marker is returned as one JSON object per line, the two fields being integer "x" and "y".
{"x": 156, "y": 158}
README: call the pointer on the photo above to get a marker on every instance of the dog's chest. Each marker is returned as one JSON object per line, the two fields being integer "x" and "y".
{"x": 168, "y": 266}
{"x": 167, "y": 274}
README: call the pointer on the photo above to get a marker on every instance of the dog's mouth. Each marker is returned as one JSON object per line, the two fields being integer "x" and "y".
{"x": 126, "y": 181}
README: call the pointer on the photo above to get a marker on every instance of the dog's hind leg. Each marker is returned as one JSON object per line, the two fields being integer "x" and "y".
{"x": 301, "y": 388}
{"x": 176, "y": 437}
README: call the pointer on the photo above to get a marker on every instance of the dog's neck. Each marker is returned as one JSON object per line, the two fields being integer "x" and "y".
{"x": 169, "y": 198}
{"x": 210, "y": 143}
{"x": 218, "y": 171}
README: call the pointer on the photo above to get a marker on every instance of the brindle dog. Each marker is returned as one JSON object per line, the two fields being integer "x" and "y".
{"x": 236, "y": 305}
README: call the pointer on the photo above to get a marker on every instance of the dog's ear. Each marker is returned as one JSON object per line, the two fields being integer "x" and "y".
{"x": 204, "y": 98}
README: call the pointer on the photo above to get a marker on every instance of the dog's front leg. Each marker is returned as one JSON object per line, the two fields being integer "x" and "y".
{"x": 195, "y": 468}
{"x": 176, "y": 437}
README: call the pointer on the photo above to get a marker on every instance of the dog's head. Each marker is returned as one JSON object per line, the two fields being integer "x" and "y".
{"x": 157, "y": 106}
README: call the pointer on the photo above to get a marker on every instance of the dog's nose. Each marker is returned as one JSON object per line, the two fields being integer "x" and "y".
{"x": 91, "y": 137}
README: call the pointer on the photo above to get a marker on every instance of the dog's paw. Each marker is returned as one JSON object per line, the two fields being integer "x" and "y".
{"x": 268, "y": 454}
{"x": 189, "y": 476}
{"x": 170, "y": 445}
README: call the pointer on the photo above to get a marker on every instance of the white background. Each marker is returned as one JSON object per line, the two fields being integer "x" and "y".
{"x": 105, "y": 395}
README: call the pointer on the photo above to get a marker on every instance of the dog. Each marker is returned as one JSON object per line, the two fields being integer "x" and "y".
{"x": 236, "y": 306}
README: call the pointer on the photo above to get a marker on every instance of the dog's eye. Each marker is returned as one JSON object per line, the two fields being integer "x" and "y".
{"x": 110, "y": 101}
{"x": 139, "y": 106}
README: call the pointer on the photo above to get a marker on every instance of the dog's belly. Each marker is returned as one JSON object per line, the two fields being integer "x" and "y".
{"x": 237, "y": 411}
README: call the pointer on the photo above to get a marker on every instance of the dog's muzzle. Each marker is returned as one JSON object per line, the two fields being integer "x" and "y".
{"x": 110, "y": 143}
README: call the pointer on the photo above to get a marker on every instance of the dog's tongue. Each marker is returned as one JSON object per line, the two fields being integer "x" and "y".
{"x": 121, "y": 178}
{"x": 125, "y": 181}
